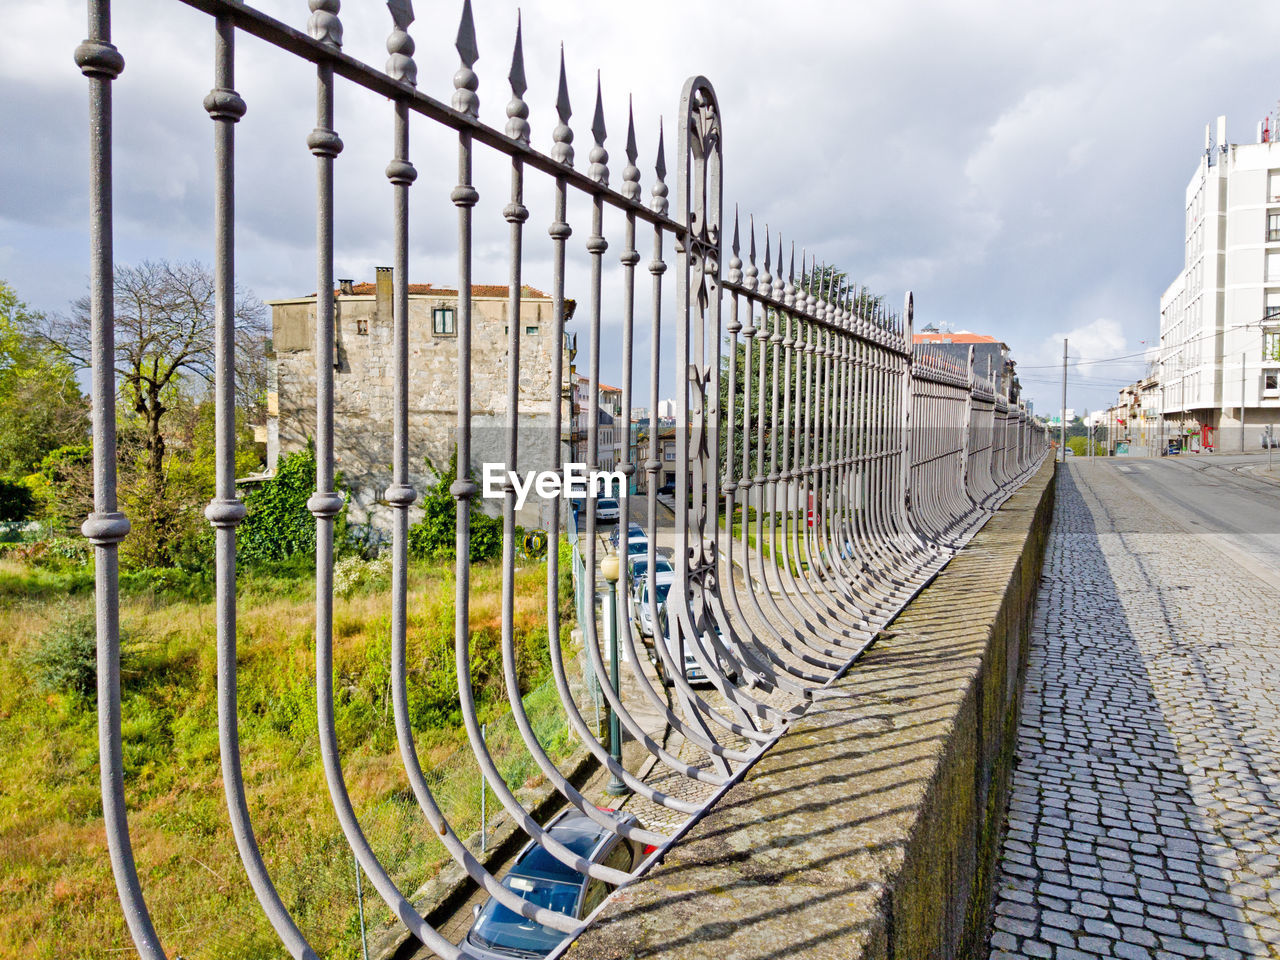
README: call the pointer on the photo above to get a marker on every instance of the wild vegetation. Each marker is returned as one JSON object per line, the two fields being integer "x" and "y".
{"x": 57, "y": 886}
{"x": 57, "y": 893}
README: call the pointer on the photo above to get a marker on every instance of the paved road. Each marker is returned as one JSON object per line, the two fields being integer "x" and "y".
{"x": 1144, "y": 820}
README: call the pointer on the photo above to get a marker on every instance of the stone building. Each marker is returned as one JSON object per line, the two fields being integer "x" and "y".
{"x": 364, "y": 389}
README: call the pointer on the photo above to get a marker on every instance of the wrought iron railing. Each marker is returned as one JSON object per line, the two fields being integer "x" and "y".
{"x": 855, "y": 465}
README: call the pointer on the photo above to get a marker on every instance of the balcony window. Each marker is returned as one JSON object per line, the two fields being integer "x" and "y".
{"x": 442, "y": 321}
{"x": 1271, "y": 383}
{"x": 1273, "y": 227}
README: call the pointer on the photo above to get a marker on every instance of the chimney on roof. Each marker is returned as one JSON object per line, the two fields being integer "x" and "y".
{"x": 345, "y": 287}
{"x": 382, "y": 294}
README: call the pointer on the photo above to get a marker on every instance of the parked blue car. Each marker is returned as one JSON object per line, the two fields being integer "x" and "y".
{"x": 500, "y": 934}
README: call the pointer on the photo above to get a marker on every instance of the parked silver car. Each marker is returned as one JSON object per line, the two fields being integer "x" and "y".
{"x": 693, "y": 669}
{"x": 658, "y": 581}
{"x": 499, "y": 934}
{"x": 639, "y": 568}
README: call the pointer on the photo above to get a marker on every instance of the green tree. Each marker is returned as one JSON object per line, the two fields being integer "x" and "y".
{"x": 41, "y": 407}
{"x": 1080, "y": 446}
{"x": 63, "y": 486}
{"x": 828, "y": 282}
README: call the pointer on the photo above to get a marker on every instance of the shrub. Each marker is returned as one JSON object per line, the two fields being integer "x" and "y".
{"x": 351, "y": 574}
{"x": 435, "y": 535}
{"x": 170, "y": 583}
{"x": 278, "y": 524}
{"x": 65, "y": 659}
{"x": 64, "y": 485}
{"x": 70, "y": 550}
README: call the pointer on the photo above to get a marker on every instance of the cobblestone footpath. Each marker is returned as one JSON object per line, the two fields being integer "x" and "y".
{"x": 1144, "y": 819}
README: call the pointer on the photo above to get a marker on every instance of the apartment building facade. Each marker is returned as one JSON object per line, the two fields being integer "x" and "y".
{"x": 1219, "y": 356}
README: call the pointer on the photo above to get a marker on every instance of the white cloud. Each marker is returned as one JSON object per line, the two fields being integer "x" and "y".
{"x": 1020, "y": 167}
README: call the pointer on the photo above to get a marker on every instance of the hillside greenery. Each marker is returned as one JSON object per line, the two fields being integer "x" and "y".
{"x": 57, "y": 893}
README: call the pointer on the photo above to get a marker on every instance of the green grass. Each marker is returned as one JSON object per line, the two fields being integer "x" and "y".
{"x": 56, "y": 890}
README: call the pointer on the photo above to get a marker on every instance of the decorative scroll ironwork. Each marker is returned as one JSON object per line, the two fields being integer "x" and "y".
{"x": 825, "y": 466}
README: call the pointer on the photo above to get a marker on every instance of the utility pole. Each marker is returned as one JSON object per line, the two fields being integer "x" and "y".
{"x": 1062, "y": 432}
{"x": 1242, "y": 357}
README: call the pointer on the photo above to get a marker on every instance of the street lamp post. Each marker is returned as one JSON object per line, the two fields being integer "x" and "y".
{"x": 609, "y": 567}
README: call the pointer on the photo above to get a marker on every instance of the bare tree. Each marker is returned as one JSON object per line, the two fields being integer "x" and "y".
{"x": 164, "y": 332}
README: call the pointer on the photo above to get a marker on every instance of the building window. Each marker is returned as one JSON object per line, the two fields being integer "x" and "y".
{"x": 532, "y": 331}
{"x": 1271, "y": 383}
{"x": 442, "y": 321}
{"x": 1271, "y": 345}
{"x": 1273, "y": 227}
{"x": 669, "y": 455}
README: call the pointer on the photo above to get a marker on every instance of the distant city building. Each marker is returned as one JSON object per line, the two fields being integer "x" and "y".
{"x": 989, "y": 354}
{"x": 609, "y": 441}
{"x": 1219, "y": 358}
{"x": 1134, "y": 423}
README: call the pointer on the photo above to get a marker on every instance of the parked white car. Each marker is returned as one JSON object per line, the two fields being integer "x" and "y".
{"x": 607, "y": 509}
{"x": 660, "y": 583}
{"x": 693, "y": 671}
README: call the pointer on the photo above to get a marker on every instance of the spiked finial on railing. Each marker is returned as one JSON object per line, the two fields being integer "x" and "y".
{"x": 631, "y": 173}
{"x": 562, "y": 136}
{"x": 659, "y": 203}
{"x": 766, "y": 278}
{"x": 778, "y": 282}
{"x": 400, "y": 65}
{"x": 830, "y": 286}
{"x": 599, "y": 156}
{"x": 324, "y": 24}
{"x": 789, "y": 288}
{"x": 735, "y": 262}
{"x": 517, "y": 109}
{"x": 465, "y": 80}
{"x": 801, "y": 296}
{"x": 811, "y": 297}
{"x": 749, "y": 279}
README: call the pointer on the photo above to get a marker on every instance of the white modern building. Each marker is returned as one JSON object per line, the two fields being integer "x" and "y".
{"x": 1219, "y": 360}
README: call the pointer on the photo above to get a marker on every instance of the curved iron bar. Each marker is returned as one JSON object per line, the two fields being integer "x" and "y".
{"x": 878, "y": 457}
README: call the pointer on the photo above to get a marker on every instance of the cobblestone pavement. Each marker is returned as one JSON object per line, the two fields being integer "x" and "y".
{"x": 1144, "y": 819}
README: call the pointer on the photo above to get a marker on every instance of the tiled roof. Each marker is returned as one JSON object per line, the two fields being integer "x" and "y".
{"x": 477, "y": 290}
{"x": 584, "y": 379}
{"x": 954, "y": 338}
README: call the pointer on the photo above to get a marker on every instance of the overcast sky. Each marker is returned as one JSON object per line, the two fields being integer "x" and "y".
{"x": 1019, "y": 166}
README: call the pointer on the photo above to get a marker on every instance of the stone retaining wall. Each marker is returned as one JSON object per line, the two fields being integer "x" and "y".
{"x": 870, "y": 829}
